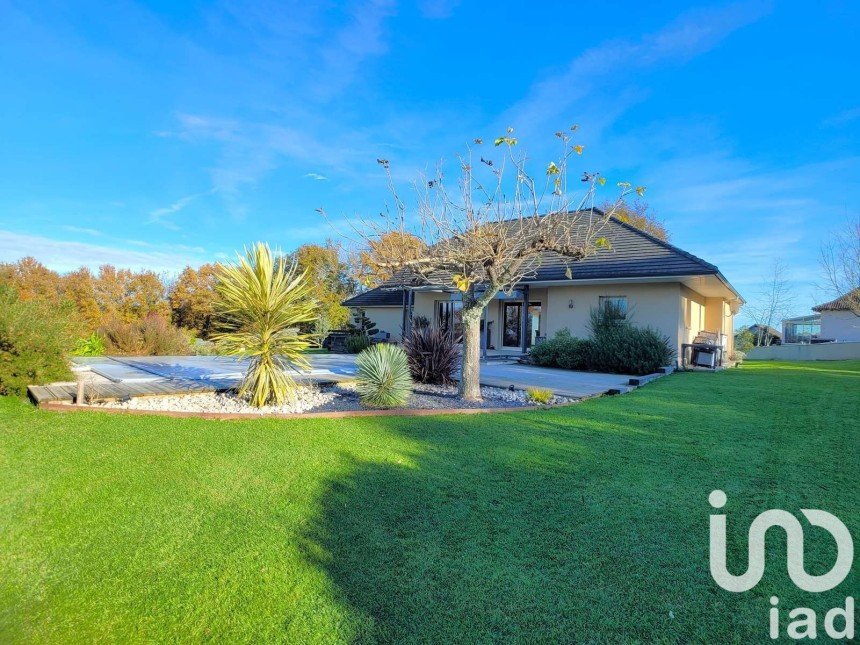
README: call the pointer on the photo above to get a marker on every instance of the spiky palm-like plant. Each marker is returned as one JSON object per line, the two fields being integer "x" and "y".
{"x": 382, "y": 378}
{"x": 261, "y": 301}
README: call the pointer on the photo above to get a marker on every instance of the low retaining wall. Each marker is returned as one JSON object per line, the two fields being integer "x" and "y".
{"x": 822, "y": 352}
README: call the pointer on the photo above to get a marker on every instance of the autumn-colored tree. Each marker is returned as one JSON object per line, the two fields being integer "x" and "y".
{"x": 373, "y": 265}
{"x": 639, "y": 214}
{"x": 145, "y": 295}
{"x": 192, "y": 299}
{"x": 328, "y": 276}
{"x": 79, "y": 287}
{"x": 32, "y": 280}
{"x": 128, "y": 295}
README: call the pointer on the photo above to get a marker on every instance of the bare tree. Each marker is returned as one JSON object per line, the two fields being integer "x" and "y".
{"x": 492, "y": 230}
{"x": 840, "y": 264}
{"x": 775, "y": 302}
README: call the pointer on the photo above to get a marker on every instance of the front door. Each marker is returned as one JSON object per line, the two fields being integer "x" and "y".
{"x": 511, "y": 321}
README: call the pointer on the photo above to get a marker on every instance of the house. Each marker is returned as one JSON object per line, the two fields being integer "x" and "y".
{"x": 840, "y": 320}
{"x": 802, "y": 329}
{"x": 765, "y": 335}
{"x": 656, "y": 283}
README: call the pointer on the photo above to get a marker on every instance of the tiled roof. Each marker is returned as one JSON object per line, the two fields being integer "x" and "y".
{"x": 376, "y": 298}
{"x": 844, "y": 302}
{"x": 632, "y": 254}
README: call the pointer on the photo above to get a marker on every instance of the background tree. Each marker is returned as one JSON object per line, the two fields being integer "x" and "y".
{"x": 330, "y": 282}
{"x": 840, "y": 263}
{"x": 128, "y": 295}
{"x": 79, "y": 287}
{"x": 774, "y": 304}
{"x": 192, "y": 299}
{"x": 32, "y": 280}
{"x": 744, "y": 340}
{"x": 373, "y": 266}
{"x": 491, "y": 231}
{"x": 639, "y": 214}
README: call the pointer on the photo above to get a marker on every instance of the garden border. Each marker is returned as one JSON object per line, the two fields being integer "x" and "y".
{"x": 56, "y": 406}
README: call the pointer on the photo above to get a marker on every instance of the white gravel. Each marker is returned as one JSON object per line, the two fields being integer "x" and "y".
{"x": 330, "y": 398}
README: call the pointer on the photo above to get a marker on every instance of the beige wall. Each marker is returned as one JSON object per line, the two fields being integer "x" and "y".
{"x": 424, "y": 301}
{"x": 388, "y": 319}
{"x": 792, "y": 352}
{"x": 656, "y": 305}
{"x": 671, "y": 308}
{"x": 840, "y": 325}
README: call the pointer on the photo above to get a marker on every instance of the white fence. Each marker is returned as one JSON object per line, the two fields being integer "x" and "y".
{"x": 822, "y": 352}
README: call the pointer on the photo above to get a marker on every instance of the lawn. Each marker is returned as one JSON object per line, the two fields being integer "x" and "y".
{"x": 581, "y": 523}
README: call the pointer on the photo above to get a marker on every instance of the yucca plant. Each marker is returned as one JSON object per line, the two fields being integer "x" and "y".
{"x": 382, "y": 377}
{"x": 261, "y": 301}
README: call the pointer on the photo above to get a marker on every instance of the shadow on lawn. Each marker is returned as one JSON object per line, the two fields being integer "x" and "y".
{"x": 515, "y": 530}
{"x": 553, "y": 525}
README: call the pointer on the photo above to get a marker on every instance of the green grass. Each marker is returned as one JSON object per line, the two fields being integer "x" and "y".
{"x": 568, "y": 524}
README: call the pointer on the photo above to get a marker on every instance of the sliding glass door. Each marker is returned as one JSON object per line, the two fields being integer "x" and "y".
{"x": 512, "y": 321}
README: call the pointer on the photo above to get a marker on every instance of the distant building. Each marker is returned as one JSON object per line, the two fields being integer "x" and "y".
{"x": 802, "y": 329}
{"x": 840, "y": 320}
{"x": 765, "y": 336}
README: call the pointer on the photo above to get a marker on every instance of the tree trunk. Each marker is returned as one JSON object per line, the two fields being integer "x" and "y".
{"x": 470, "y": 369}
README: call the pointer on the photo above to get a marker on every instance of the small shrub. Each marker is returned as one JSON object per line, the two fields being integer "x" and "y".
{"x": 562, "y": 350}
{"x": 619, "y": 347}
{"x": 432, "y": 355}
{"x": 361, "y": 325}
{"x": 357, "y": 343}
{"x": 615, "y": 346}
{"x": 151, "y": 336}
{"x": 35, "y": 341}
{"x": 539, "y": 395}
{"x": 92, "y": 345}
{"x": 382, "y": 378}
{"x": 202, "y": 347}
{"x": 744, "y": 340}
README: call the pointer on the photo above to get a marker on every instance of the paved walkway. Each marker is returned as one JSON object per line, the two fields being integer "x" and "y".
{"x": 562, "y": 382}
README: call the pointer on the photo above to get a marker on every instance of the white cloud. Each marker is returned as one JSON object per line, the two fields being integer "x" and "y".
{"x": 589, "y": 73}
{"x": 843, "y": 118}
{"x": 437, "y": 9}
{"x": 85, "y": 231}
{"x": 159, "y": 215}
{"x": 316, "y": 176}
{"x": 344, "y": 56}
{"x": 62, "y": 255}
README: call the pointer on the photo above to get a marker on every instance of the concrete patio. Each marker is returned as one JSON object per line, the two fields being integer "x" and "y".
{"x": 561, "y": 382}
{"x": 124, "y": 376}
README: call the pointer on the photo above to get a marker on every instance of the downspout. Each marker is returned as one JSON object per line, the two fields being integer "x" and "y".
{"x": 410, "y": 311}
{"x": 523, "y": 320}
{"x": 403, "y": 315}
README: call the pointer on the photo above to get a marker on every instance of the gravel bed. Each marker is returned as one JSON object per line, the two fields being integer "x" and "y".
{"x": 329, "y": 398}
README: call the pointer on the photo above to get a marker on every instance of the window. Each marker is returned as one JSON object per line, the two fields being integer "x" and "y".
{"x": 449, "y": 317}
{"x": 614, "y": 305}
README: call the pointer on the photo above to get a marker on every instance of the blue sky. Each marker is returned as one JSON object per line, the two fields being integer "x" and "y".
{"x": 159, "y": 134}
